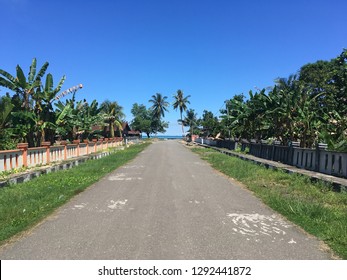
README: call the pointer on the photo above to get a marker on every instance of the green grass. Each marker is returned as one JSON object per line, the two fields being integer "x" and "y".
{"x": 24, "y": 205}
{"x": 313, "y": 206}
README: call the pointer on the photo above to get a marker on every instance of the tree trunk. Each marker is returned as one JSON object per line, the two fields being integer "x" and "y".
{"x": 182, "y": 124}
{"x": 30, "y": 139}
{"x": 112, "y": 129}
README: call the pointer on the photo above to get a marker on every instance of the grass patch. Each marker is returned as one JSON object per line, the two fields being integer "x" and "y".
{"x": 313, "y": 206}
{"x": 23, "y": 205}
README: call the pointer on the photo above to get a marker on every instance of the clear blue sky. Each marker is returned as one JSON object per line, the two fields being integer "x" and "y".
{"x": 128, "y": 50}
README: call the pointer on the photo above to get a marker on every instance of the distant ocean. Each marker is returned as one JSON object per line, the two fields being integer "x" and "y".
{"x": 164, "y": 136}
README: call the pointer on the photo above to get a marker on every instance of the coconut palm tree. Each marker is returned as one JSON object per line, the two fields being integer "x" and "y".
{"x": 191, "y": 120}
{"x": 181, "y": 103}
{"x": 113, "y": 114}
{"x": 159, "y": 106}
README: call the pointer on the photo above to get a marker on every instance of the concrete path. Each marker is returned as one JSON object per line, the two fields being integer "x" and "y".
{"x": 165, "y": 204}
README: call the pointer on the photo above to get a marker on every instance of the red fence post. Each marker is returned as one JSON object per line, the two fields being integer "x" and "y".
{"x": 47, "y": 145}
{"x": 78, "y": 146}
{"x": 65, "y": 148}
{"x": 95, "y": 142}
{"x": 24, "y": 149}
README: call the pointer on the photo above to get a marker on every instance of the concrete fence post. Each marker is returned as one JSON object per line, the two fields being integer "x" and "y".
{"x": 24, "y": 149}
{"x": 64, "y": 143}
{"x": 47, "y": 145}
{"x": 95, "y": 143}
{"x": 317, "y": 158}
{"x": 86, "y": 141}
{"x": 319, "y": 147}
{"x": 77, "y": 142}
{"x": 293, "y": 144}
{"x": 106, "y": 142}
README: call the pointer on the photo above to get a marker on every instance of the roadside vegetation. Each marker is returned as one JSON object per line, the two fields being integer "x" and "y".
{"x": 24, "y": 205}
{"x": 308, "y": 107}
{"x": 313, "y": 206}
{"x": 36, "y": 111}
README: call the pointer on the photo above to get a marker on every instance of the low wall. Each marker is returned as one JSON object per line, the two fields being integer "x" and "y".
{"x": 318, "y": 160}
{"x": 10, "y": 159}
{"x": 38, "y": 156}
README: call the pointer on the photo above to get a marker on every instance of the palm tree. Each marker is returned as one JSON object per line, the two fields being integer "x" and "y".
{"x": 181, "y": 103}
{"x": 159, "y": 105}
{"x": 113, "y": 114}
{"x": 190, "y": 120}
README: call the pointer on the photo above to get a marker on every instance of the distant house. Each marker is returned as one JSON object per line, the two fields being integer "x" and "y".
{"x": 126, "y": 131}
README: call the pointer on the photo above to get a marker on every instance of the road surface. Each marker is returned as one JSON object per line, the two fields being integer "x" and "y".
{"x": 165, "y": 204}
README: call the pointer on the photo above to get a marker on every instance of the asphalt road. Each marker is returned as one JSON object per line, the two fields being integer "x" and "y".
{"x": 165, "y": 204}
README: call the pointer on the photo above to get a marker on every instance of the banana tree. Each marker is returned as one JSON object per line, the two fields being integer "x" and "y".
{"x": 6, "y": 108}
{"x": 35, "y": 100}
{"x": 43, "y": 97}
{"x": 86, "y": 116}
{"x": 22, "y": 86}
{"x": 5, "y": 111}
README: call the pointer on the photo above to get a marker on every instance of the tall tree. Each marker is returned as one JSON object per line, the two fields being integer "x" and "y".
{"x": 159, "y": 106}
{"x": 33, "y": 114}
{"x": 158, "y": 110}
{"x": 24, "y": 88}
{"x": 144, "y": 121}
{"x": 6, "y": 108}
{"x": 191, "y": 120}
{"x": 181, "y": 103}
{"x": 210, "y": 124}
{"x": 113, "y": 115}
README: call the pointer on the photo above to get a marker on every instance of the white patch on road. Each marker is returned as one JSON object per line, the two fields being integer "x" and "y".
{"x": 79, "y": 206}
{"x": 257, "y": 225}
{"x": 122, "y": 177}
{"x": 133, "y": 166}
{"x": 196, "y": 201}
{"x": 117, "y": 205}
{"x": 199, "y": 163}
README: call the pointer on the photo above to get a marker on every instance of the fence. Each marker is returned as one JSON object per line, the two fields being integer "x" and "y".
{"x": 30, "y": 157}
{"x": 318, "y": 160}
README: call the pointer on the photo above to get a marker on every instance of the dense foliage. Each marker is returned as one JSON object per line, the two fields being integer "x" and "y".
{"x": 34, "y": 112}
{"x": 146, "y": 121}
{"x": 309, "y": 107}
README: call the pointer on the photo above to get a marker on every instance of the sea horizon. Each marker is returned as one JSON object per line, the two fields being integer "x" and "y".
{"x": 164, "y": 136}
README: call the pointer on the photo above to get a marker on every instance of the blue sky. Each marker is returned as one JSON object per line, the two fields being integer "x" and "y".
{"x": 128, "y": 50}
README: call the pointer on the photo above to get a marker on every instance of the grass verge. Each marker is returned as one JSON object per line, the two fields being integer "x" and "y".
{"x": 312, "y": 206}
{"x": 23, "y": 205}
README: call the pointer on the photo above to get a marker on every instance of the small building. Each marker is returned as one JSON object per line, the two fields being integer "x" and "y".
{"x": 126, "y": 131}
